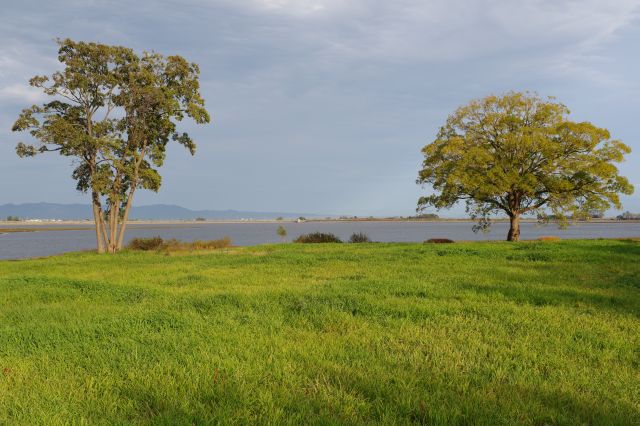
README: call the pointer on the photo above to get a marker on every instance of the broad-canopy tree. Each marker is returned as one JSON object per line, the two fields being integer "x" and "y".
{"x": 113, "y": 112}
{"x": 519, "y": 154}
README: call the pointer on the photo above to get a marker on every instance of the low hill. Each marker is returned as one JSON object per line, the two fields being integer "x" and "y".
{"x": 155, "y": 211}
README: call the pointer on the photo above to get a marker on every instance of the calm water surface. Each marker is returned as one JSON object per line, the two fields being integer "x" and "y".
{"x": 44, "y": 243}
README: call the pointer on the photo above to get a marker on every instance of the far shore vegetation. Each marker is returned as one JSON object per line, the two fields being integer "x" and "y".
{"x": 41, "y": 224}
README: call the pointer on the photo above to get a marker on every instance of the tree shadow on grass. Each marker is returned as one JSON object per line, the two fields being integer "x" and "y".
{"x": 622, "y": 247}
{"x": 619, "y": 301}
{"x": 443, "y": 403}
{"x": 443, "y": 396}
{"x": 510, "y": 404}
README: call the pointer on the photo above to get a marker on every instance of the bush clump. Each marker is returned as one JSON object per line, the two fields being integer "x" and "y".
{"x": 173, "y": 244}
{"x": 157, "y": 243}
{"x": 359, "y": 237}
{"x": 439, "y": 241}
{"x": 549, "y": 238}
{"x": 317, "y": 237}
{"x": 146, "y": 244}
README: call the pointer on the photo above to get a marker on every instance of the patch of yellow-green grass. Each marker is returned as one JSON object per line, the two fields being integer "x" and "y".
{"x": 481, "y": 333}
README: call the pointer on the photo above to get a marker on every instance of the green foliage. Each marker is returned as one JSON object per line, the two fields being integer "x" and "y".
{"x": 359, "y": 237}
{"x": 426, "y": 216}
{"x": 519, "y": 154}
{"x": 317, "y": 237}
{"x": 484, "y": 333}
{"x": 13, "y": 219}
{"x": 113, "y": 112}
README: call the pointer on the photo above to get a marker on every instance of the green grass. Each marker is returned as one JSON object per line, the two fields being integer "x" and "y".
{"x": 476, "y": 333}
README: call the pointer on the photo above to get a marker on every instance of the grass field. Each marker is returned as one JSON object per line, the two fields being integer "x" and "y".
{"x": 476, "y": 333}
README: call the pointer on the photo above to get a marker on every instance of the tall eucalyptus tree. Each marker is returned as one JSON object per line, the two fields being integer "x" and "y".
{"x": 113, "y": 112}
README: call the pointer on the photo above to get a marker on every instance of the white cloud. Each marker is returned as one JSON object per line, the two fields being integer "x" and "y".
{"x": 304, "y": 7}
{"x": 21, "y": 93}
{"x": 456, "y": 29}
{"x": 369, "y": 79}
{"x": 551, "y": 38}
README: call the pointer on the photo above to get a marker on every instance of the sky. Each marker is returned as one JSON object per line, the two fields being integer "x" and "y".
{"x": 323, "y": 106}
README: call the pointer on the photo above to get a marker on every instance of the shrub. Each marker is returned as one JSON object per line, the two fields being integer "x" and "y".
{"x": 176, "y": 245}
{"x": 211, "y": 244}
{"x": 146, "y": 244}
{"x": 317, "y": 237}
{"x": 426, "y": 216}
{"x": 359, "y": 237}
{"x": 157, "y": 243}
{"x": 282, "y": 232}
{"x": 439, "y": 241}
{"x": 549, "y": 238}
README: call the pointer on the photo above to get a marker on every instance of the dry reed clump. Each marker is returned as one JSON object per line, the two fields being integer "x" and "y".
{"x": 157, "y": 243}
{"x": 145, "y": 244}
{"x": 439, "y": 241}
{"x": 549, "y": 238}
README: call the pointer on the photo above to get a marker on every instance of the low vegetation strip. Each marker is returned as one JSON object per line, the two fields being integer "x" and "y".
{"x": 482, "y": 333}
{"x": 158, "y": 244}
{"x": 41, "y": 228}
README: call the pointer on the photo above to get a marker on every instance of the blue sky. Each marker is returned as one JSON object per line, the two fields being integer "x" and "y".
{"x": 323, "y": 105}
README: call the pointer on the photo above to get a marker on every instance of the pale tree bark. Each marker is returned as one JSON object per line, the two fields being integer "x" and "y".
{"x": 97, "y": 218}
{"x": 113, "y": 225}
{"x": 125, "y": 219}
{"x": 101, "y": 238}
{"x": 114, "y": 213}
{"x": 132, "y": 191}
{"x": 103, "y": 228}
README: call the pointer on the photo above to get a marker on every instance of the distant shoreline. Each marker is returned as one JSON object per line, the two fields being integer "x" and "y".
{"x": 63, "y": 225}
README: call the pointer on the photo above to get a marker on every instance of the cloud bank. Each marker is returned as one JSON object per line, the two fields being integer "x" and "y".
{"x": 323, "y": 105}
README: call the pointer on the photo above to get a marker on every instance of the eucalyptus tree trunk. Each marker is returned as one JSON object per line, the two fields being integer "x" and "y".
{"x": 97, "y": 218}
{"x": 514, "y": 229}
{"x": 132, "y": 191}
{"x": 113, "y": 228}
{"x": 125, "y": 219}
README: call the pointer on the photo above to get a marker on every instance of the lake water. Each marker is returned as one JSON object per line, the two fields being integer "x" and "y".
{"x": 44, "y": 243}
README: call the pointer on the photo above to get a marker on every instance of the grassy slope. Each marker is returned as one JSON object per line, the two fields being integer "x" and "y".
{"x": 474, "y": 332}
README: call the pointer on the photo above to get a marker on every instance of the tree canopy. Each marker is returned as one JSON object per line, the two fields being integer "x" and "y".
{"x": 114, "y": 112}
{"x": 519, "y": 154}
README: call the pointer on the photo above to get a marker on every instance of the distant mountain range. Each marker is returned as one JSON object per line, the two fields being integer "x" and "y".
{"x": 151, "y": 212}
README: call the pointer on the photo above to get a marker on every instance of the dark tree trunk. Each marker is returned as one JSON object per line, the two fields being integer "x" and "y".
{"x": 514, "y": 229}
